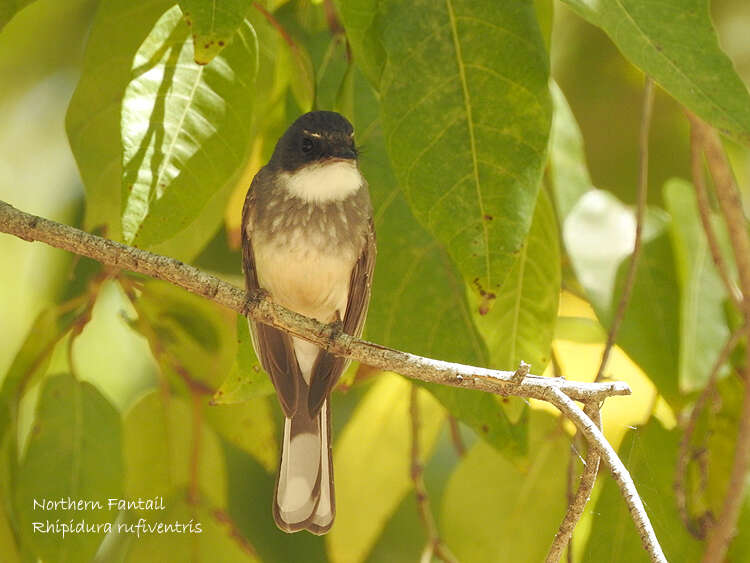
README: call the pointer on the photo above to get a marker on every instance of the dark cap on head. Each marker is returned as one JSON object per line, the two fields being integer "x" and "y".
{"x": 314, "y": 137}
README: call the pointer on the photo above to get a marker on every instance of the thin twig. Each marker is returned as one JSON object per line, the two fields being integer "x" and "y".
{"x": 559, "y": 392}
{"x": 435, "y": 545}
{"x": 704, "y": 210}
{"x": 597, "y": 441}
{"x": 683, "y": 455}
{"x": 458, "y": 442}
{"x": 640, "y": 211}
{"x": 582, "y": 496}
{"x": 730, "y": 204}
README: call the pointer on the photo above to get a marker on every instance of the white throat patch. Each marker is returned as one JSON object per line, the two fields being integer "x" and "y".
{"x": 318, "y": 183}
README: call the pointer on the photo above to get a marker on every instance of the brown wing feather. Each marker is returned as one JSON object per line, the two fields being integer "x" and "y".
{"x": 328, "y": 368}
{"x": 273, "y": 347}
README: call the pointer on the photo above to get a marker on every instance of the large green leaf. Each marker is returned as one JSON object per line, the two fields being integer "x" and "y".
{"x": 703, "y": 327}
{"x": 73, "y": 452}
{"x": 185, "y": 131}
{"x": 93, "y": 118}
{"x": 373, "y": 460}
{"x": 466, "y": 113}
{"x": 568, "y": 174}
{"x": 675, "y": 43}
{"x": 492, "y": 511}
{"x": 521, "y": 324}
{"x": 650, "y": 453}
{"x": 213, "y": 24}
{"x": 167, "y": 449}
{"x": 419, "y": 299}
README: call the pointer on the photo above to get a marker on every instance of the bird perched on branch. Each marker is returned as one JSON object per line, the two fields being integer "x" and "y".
{"x": 308, "y": 240}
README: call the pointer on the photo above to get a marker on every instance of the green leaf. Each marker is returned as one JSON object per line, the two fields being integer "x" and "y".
{"x": 521, "y": 324}
{"x": 166, "y": 447}
{"x": 568, "y": 175}
{"x": 246, "y": 380}
{"x": 650, "y": 329}
{"x": 9, "y": 8}
{"x": 418, "y": 297}
{"x": 209, "y": 536}
{"x": 373, "y": 460}
{"x": 675, "y": 43}
{"x": 73, "y": 452}
{"x": 185, "y": 133}
{"x": 250, "y": 426}
{"x": 363, "y": 24}
{"x": 492, "y": 511}
{"x": 703, "y": 327}
{"x": 32, "y": 360}
{"x": 467, "y": 129}
{"x": 93, "y": 118}
{"x": 192, "y": 338}
{"x": 650, "y": 453}
{"x": 213, "y": 24}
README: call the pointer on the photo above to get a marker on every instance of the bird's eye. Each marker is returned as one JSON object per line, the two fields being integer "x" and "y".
{"x": 307, "y": 144}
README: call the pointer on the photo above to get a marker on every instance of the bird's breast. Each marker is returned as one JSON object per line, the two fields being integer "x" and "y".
{"x": 305, "y": 277}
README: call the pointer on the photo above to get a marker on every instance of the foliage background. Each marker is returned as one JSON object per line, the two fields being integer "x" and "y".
{"x": 118, "y": 373}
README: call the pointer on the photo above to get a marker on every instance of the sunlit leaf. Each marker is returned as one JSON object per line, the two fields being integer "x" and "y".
{"x": 466, "y": 114}
{"x": 568, "y": 175}
{"x": 167, "y": 448}
{"x": 493, "y": 512}
{"x": 650, "y": 453}
{"x": 674, "y": 42}
{"x": 372, "y": 462}
{"x": 521, "y": 323}
{"x": 73, "y": 452}
{"x": 703, "y": 327}
{"x": 213, "y": 24}
{"x": 93, "y": 118}
{"x": 185, "y": 132}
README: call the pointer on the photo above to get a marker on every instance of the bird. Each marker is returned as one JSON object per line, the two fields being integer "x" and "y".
{"x": 308, "y": 242}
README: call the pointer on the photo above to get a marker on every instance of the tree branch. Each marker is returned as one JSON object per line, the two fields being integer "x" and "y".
{"x": 557, "y": 391}
{"x": 261, "y": 308}
{"x": 435, "y": 545}
{"x": 704, "y": 210}
{"x": 683, "y": 457}
{"x": 731, "y": 206}
{"x": 582, "y": 496}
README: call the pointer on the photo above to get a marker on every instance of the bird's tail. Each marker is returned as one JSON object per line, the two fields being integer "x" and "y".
{"x": 304, "y": 488}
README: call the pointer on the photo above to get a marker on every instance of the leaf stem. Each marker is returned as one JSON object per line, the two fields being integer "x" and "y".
{"x": 640, "y": 211}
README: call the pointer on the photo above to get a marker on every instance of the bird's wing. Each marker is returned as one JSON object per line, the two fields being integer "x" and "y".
{"x": 272, "y": 346}
{"x": 328, "y": 368}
